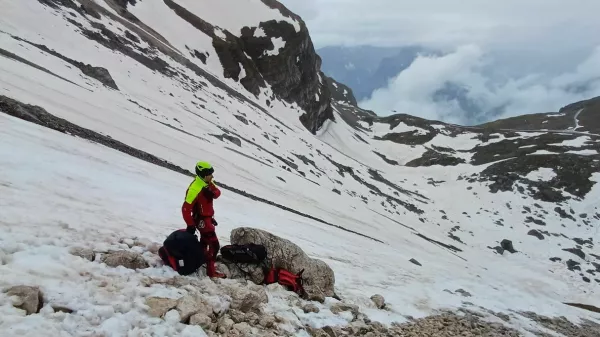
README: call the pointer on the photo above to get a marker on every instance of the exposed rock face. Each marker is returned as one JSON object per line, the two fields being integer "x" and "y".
{"x": 508, "y": 245}
{"x": 588, "y": 114}
{"x": 431, "y": 158}
{"x": 248, "y": 301}
{"x": 28, "y": 298}
{"x": 159, "y": 306}
{"x": 126, "y": 259}
{"x": 340, "y": 307}
{"x": 340, "y": 92}
{"x": 318, "y": 277}
{"x": 586, "y": 111}
{"x": 378, "y": 300}
{"x": 190, "y": 305}
{"x": 293, "y": 71}
{"x": 310, "y": 308}
{"x": 536, "y": 233}
{"x": 415, "y": 262}
{"x": 85, "y": 253}
{"x": 575, "y": 251}
{"x": 573, "y": 173}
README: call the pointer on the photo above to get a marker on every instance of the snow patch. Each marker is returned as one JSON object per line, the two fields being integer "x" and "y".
{"x": 259, "y": 32}
{"x": 577, "y": 142}
{"x": 242, "y": 72}
{"x": 541, "y": 174}
{"x": 278, "y": 44}
{"x": 543, "y": 152}
{"x": 586, "y": 152}
{"x": 220, "y": 34}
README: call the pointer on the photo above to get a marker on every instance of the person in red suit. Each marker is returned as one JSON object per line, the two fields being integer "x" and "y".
{"x": 198, "y": 213}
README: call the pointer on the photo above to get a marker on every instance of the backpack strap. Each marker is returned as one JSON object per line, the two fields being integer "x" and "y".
{"x": 169, "y": 258}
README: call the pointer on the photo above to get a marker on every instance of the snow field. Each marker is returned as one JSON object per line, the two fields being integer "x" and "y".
{"x": 141, "y": 200}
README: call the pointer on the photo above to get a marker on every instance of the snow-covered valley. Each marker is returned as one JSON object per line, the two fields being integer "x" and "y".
{"x": 368, "y": 195}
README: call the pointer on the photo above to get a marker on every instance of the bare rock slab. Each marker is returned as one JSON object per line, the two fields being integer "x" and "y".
{"x": 29, "y": 298}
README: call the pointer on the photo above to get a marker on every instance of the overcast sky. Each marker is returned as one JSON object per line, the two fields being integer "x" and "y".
{"x": 501, "y": 51}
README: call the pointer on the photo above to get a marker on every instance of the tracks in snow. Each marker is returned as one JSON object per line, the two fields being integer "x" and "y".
{"x": 575, "y": 120}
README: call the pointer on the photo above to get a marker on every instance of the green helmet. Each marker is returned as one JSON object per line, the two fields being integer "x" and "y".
{"x": 204, "y": 169}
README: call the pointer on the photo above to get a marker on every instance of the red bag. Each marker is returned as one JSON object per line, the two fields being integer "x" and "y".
{"x": 292, "y": 282}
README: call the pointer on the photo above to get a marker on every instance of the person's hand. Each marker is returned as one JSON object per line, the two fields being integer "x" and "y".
{"x": 191, "y": 229}
{"x": 214, "y": 222}
{"x": 208, "y": 192}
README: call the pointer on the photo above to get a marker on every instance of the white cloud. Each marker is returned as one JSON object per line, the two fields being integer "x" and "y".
{"x": 446, "y": 23}
{"x": 513, "y": 56}
{"x": 414, "y": 90}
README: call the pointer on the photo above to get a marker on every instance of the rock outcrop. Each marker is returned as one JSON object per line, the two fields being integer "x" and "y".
{"x": 85, "y": 253}
{"x": 536, "y": 233}
{"x": 124, "y": 258}
{"x": 340, "y": 92}
{"x": 378, "y": 300}
{"x": 291, "y": 68}
{"x": 191, "y": 305}
{"x": 508, "y": 246}
{"x": 159, "y": 306}
{"x": 26, "y": 298}
{"x": 318, "y": 277}
{"x": 431, "y": 158}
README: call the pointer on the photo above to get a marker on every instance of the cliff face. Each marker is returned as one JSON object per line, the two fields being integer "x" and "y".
{"x": 341, "y": 93}
{"x": 293, "y": 71}
{"x": 274, "y": 53}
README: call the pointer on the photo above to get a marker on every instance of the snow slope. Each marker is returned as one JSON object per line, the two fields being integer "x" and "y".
{"x": 98, "y": 196}
{"x": 95, "y": 196}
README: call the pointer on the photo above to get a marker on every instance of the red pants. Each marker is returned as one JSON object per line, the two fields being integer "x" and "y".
{"x": 210, "y": 245}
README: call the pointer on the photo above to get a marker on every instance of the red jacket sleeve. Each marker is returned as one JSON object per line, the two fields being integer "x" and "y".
{"x": 213, "y": 188}
{"x": 186, "y": 210}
